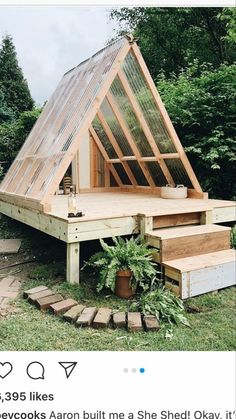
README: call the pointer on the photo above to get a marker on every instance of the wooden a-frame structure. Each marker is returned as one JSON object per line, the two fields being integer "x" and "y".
{"x": 113, "y": 97}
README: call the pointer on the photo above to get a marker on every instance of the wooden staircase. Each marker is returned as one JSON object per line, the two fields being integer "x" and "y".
{"x": 196, "y": 258}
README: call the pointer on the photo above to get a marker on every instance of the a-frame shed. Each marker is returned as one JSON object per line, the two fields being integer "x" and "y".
{"x": 114, "y": 97}
{"x": 107, "y": 127}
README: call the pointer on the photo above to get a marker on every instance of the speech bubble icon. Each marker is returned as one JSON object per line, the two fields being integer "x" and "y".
{"x": 35, "y": 371}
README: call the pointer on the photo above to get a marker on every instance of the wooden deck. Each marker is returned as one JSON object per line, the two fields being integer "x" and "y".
{"x": 109, "y": 214}
{"x": 98, "y": 206}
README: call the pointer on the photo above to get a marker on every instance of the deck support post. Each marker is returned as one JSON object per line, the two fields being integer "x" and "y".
{"x": 72, "y": 263}
{"x": 146, "y": 225}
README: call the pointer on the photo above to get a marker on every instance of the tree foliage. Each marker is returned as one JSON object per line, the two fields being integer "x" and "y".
{"x": 6, "y": 114}
{"x": 172, "y": 38}
{"x": 13, "y": 135}
{"x": 202, "y": 108}
{"x": 12, "y": 82}
{"x": 191, "y": 54}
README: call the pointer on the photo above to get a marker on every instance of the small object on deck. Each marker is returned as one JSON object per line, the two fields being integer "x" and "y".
{"x": 86, "y": 317}
{"x": 37, "y": 295}
{"x": 102, "y": 318}
{"x": 151, "y": 323}
{"x": 31, "y": 291}
{"x": 9, "y": 246}
{"x": 67, "y": 181}
{"x": 45, "y": 302}
{"x": 119, "y": 319}
{"x": 74, "y": 312}
{"x": 134, "y": 322}
{"x": 171, "y": 192}
{"x": 62, "y": 306}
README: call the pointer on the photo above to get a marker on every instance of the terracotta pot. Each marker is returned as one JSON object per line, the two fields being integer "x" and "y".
{"x": 123, "y": 289}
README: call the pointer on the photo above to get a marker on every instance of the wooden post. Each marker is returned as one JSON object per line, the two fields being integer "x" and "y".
{"x": 72, "y": 263}
{"x": 146, "y": 225}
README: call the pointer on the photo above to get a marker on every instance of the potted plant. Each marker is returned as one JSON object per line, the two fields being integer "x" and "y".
{"x": 124, "y": 266}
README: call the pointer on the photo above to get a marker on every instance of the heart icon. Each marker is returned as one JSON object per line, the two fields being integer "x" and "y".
{"x": 5, "y": 369}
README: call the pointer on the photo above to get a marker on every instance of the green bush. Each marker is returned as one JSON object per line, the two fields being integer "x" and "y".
{"x": 13, "y": 134}
{"x": 201, "y": 103}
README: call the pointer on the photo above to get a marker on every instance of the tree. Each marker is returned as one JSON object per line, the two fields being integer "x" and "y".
{"x": 202, "y": 108}
{"x": 12, "y": 83}
{"x": 172, "y": 38}
{"x": 13, "y": 135}
{"x": 6, "y": 114}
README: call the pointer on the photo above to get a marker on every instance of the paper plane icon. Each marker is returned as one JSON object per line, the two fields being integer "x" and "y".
{"x": 68, "y": 367}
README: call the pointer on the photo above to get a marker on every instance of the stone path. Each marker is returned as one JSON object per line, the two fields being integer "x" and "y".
{"x": 9, "y": 290}
{"x": 81, "y": 316}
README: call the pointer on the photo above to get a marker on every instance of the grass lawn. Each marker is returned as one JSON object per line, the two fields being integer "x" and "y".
{"x": 212, "y": 317}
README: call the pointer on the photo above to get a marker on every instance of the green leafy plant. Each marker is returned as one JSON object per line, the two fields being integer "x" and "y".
{"x": 124, "y": 255}
{"x": 162, "y": 304}
{"x": 233, "y": 237}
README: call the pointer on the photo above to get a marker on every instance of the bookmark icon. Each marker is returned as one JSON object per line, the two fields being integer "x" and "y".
{"x": 68, "y": 367}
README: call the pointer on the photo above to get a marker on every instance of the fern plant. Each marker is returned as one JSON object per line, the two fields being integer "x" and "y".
{"x": 165, "y": 306}
{"x": 123, "y": 255}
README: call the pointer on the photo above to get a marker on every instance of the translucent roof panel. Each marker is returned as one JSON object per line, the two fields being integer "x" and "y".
{"x": 116, "y": 129}
{"x": 57, "y": 127}
{"x": 156, "y": 173}
{"x": 138, "y": 173}
{"x": 128, "y": 114}
{"x": 98, "y": 128}
{"x": 147, "y": 104}
{"x": 178, "y": 172}
{"x": 122, "y": 173}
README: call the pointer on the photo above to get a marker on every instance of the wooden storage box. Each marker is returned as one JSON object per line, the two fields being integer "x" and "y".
{"x": 197, "y": 275}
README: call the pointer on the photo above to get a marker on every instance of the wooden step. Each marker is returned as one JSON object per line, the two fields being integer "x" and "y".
{"x": 201, "y": 274}
{"x": 182, "y": 242}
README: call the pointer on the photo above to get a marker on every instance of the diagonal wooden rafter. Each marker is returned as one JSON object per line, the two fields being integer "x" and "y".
{"x": 166, "y": 118}
{"x": 126, "y": 86}
{"x": 116, "y": 147}
{"x": 130, "y": 139}
{"x": 105, "y": 155}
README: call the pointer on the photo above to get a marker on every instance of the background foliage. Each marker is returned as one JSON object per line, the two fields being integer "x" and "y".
{"x": 17, "y": 110}
{"x": 191, "y": 54}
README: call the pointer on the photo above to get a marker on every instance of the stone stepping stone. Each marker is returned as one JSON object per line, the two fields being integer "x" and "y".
{"x": 119, "y": 319}
{"x": 9, "y": 246}
{"x": 31, "y": 291}
{"x": 102, "y": 318}
{"x": 45, "y": 302}
{"x": 37, "y": 295}
{"x": 62, "y": 306}
{"x": 10, "y": 281}
{"x": 9, "y": 290}
{"x": 134, "y": 322}
{"x": 86, "y": 317}
{"x": 151, "y": 323}
{"x": 72, "y": 314}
